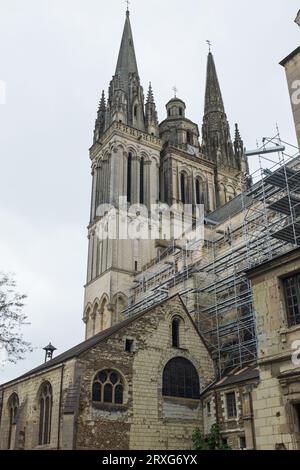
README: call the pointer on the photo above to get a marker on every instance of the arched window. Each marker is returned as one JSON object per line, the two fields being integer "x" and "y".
{"x": 180, "y": 112}
{"x": 183, "y": 188}
{"x": 13, "y": 409}
{"x": 108, "y": 387}
{"x": 189, "y": 137}
{"x": 45, "y": 414}
{"x": 135, "y": 111}
{"x": 175, "y": 333}
{"x": 198, "y": 191}
{"x": 129, "y": 174}
{"x": 180, "y": 379}
{"x": 142, "y": 174}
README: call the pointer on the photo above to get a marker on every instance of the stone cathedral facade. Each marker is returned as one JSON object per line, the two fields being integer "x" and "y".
{"x": 146, "y": 162}
{"x": 175, "y": 340}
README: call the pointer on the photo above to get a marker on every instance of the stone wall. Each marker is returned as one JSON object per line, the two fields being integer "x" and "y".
{"x": 275, "y": 420}
{"x": 146, "y": 420}
{"x": 26, "y": 432}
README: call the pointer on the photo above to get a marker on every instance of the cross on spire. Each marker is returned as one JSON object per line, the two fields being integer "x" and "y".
{"x": 175, "y": 89}
{"x": 127, "y": 3}
{"x": 209, "y": 44}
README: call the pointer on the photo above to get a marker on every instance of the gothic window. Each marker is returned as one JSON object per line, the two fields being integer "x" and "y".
{"x": 129, "y": 174}
{"x": 142, "y": 174}
{"x": 45, "y": 414}
{"x": 108, "y": 388}
{"x": 13, "y": 408}
{"x": 180, "y": 379}
{"x": 135, "y": 111}
{"x": 198, "y": 191}
{"x": 176, "y": 333}
{"x": 292, "y": 295}
{"x": 183, "y": 183}
{"x": 189, "y": 137}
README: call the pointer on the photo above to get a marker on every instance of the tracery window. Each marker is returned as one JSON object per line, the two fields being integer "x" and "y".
{"x": 108, "y": 387}
{"x": 13, "y": 409}
{"x": 46, "y": 400}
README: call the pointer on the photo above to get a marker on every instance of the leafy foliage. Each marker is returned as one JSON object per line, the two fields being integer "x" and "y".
{"x": 211, "y": 442}
{"x": 12, "y": 319}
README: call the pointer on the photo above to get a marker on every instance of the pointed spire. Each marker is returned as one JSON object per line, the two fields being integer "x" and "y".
{"x": 150, "y": 97}
{"x": 238, "y": 143}
{"x": 237, "y": 136}
{"x": 213, "y": 95}
{"x": 126, "y": 60}
{"x": 102, "y": 104}
{"x": 151, "y": 119}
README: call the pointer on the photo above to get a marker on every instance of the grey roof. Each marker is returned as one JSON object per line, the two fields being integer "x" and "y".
{"x": 127, "y": 60}
{"x": 230, "y": 209}
{"x": 239, "y": 375}
{"x": 290, "y": 56}
{"x": 97, "y": 339}
{"x": 81, "y": 348}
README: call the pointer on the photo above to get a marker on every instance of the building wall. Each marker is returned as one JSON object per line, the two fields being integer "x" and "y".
{"x": 292, "y": 68}
{"x": 147, "y": 420}
{"x": 232, "y": 429}
{"x": 279, "y": 389}
{"x": 26, "y": 432}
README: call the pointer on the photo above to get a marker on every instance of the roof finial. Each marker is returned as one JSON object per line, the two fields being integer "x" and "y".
{"x": 209, "y": 45}
{"x": 128, "y": 3}
{"x": 175, "y": 89}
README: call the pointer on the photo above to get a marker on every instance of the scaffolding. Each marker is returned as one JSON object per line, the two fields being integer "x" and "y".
{"x": 212, "y": 280}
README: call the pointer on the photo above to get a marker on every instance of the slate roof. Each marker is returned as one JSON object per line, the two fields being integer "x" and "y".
{"x": 82, "y": 347}
{"x": 95, "y": 340}
{"x": 238, "y": 375}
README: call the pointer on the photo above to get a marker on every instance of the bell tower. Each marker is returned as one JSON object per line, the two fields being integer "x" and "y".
{"x": 125, "y": 161}
{"x": 229, "y": 157}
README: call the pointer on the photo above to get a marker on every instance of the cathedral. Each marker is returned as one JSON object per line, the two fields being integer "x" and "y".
{"x": 176, "y": 339}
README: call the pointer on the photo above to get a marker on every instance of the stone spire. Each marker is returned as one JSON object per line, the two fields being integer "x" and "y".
{"x": 126, "y": 98}
{"x": 217, "y": 143}
{"x": 213, "y": 95}
{"x": 101, "y": 117}
{"x": 241, "y": 158}
{"x": 127, "y": 63}
{"x": 151, "y": 119}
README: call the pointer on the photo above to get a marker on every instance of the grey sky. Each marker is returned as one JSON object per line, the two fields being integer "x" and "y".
{"x": 55, "y": 57}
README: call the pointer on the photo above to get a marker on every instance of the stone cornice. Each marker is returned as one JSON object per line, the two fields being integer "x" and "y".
{"x": 181, "y": 153}
{"x": 122, "y": 130}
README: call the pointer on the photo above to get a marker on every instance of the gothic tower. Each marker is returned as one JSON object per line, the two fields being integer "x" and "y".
{"x": 187, "y": 175}
{"x": 231, "y": 164}
{"x": 125, "y": 158}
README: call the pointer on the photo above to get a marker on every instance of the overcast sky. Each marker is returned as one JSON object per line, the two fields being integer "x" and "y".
{"x": 55, "y": 57}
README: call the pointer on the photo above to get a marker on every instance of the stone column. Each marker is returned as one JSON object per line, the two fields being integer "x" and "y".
{"x": 115, "y": 176}
{"x": 147, "y": 183}
{"x": 211, "y": 195}
{"x": 174, "y": 186}
{"x": 125, "y": 170}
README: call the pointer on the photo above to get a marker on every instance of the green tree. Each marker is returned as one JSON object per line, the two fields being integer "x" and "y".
{"x": 12, "y": 319}
{"x": 211, "y": 442}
